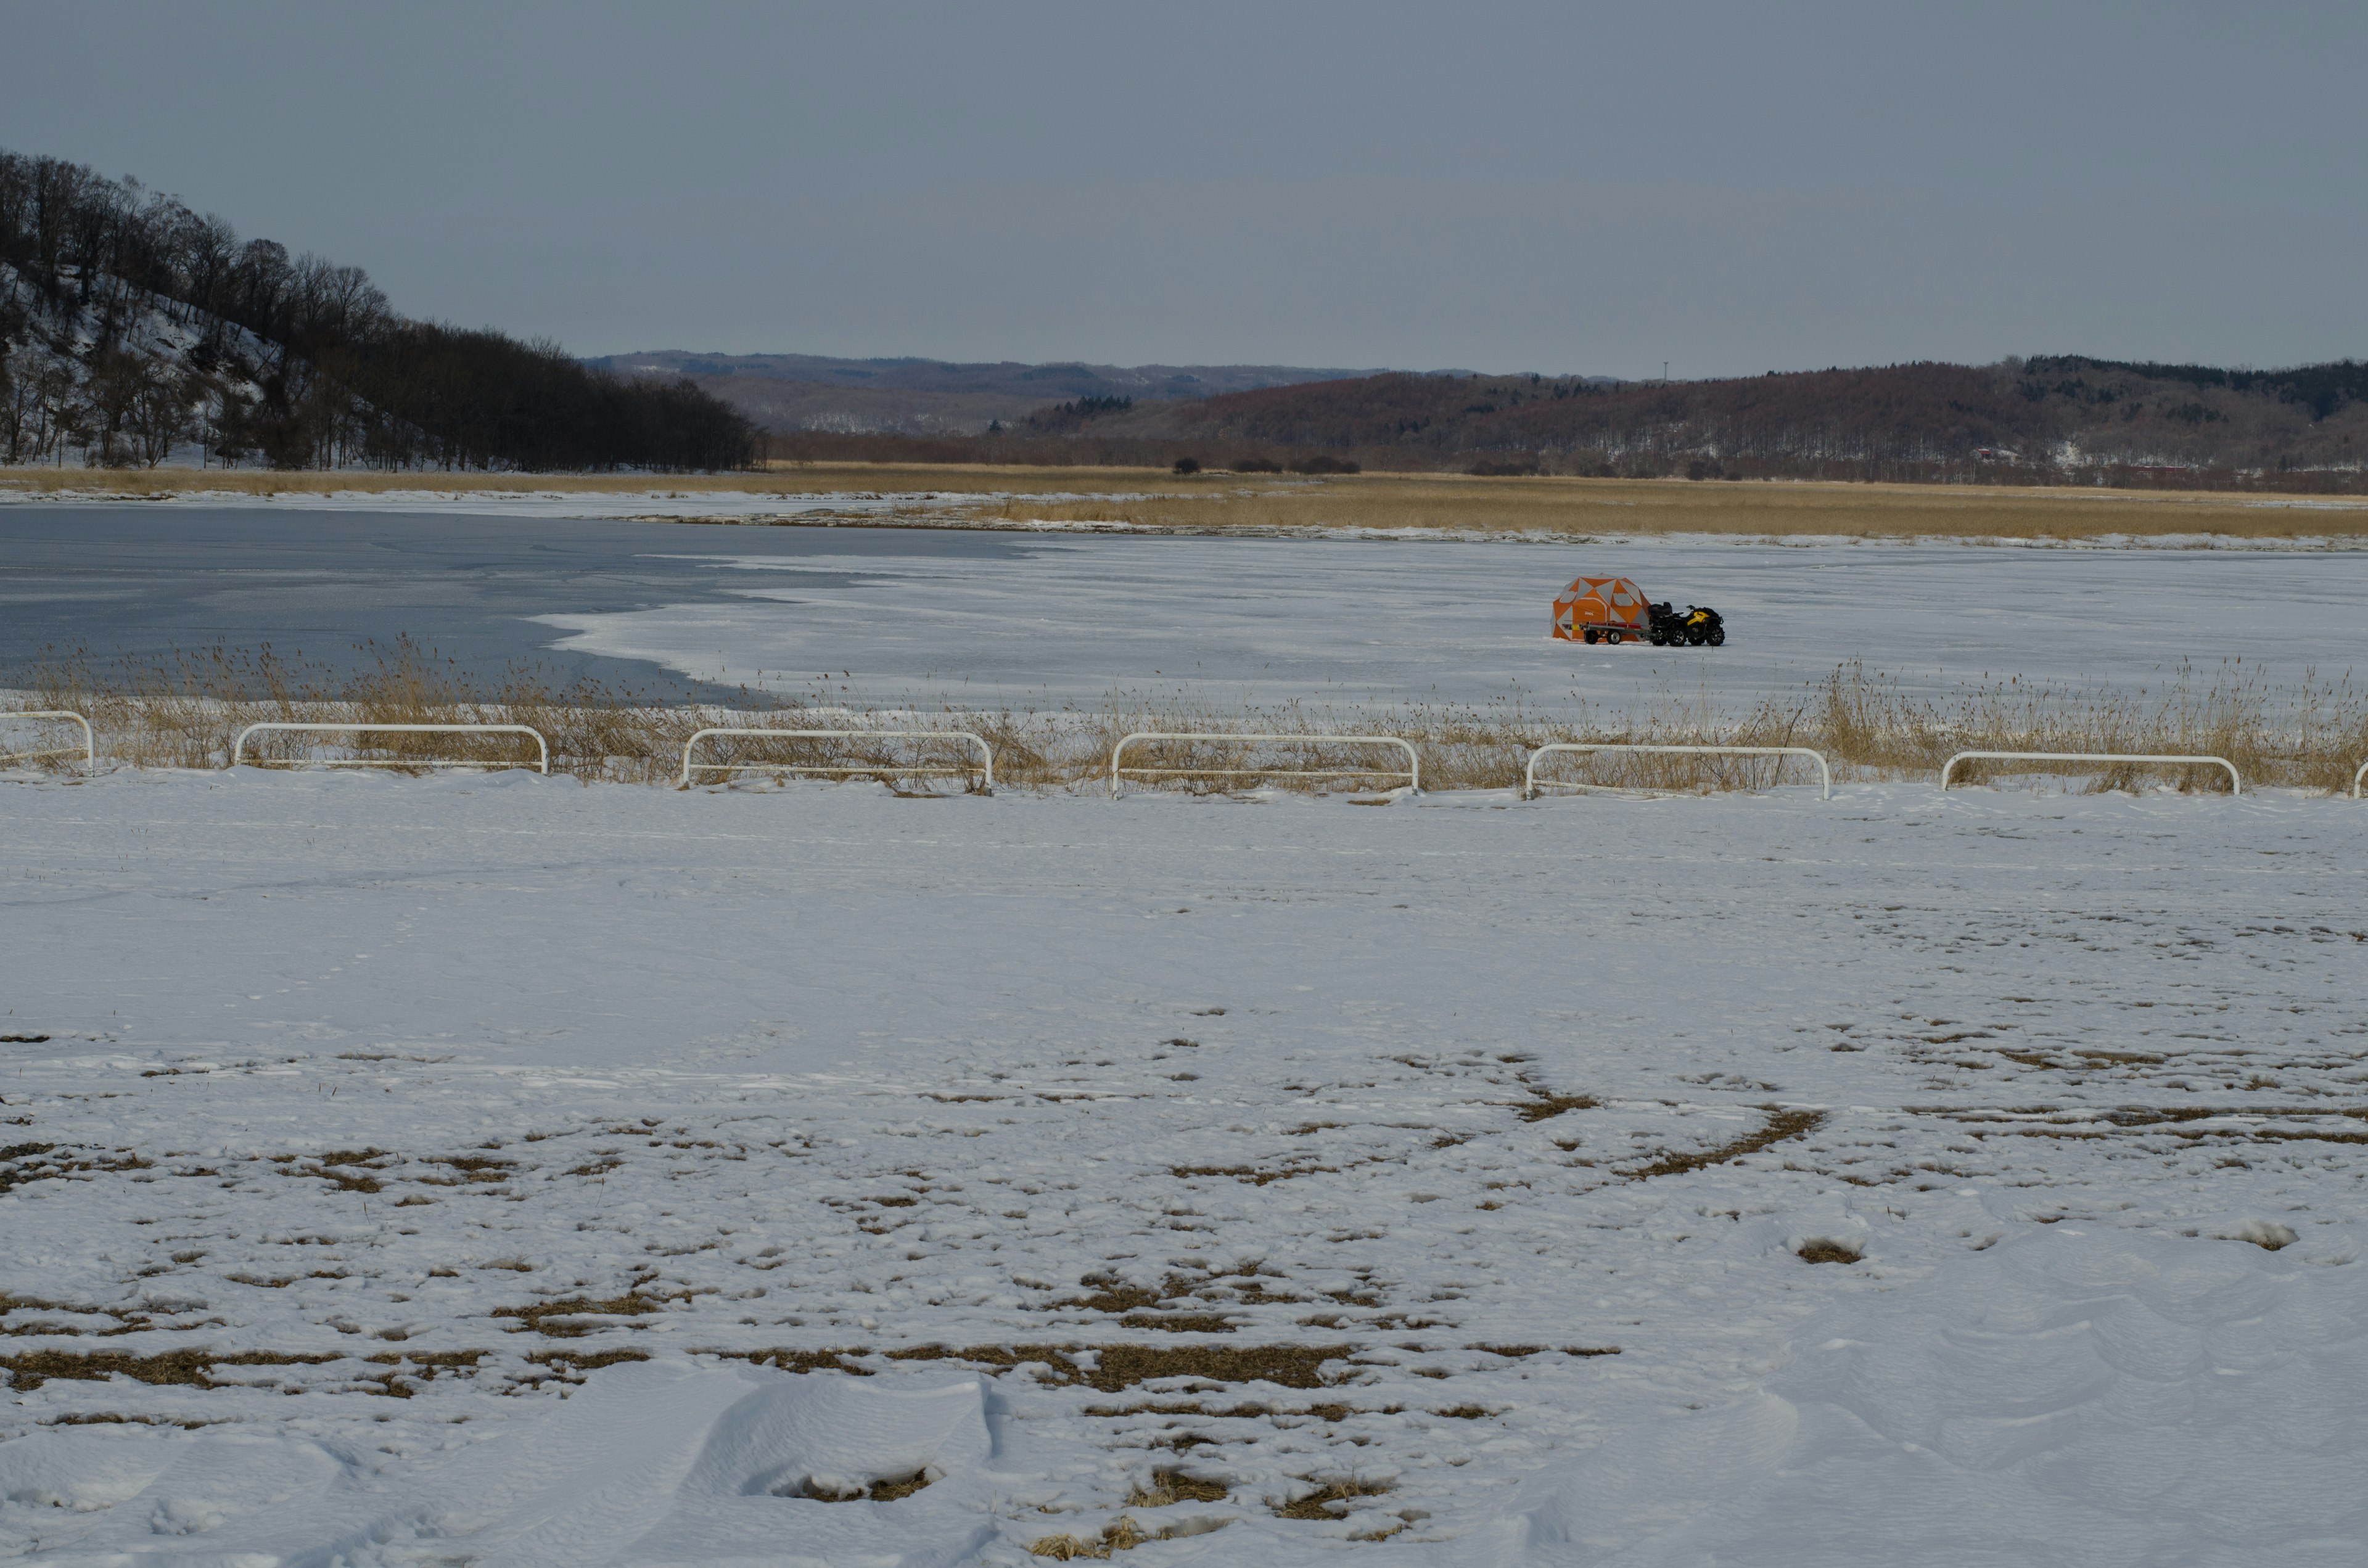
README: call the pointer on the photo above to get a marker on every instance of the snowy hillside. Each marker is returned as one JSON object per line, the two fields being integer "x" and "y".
{"x": 118, "y": 378}
{"x": 508, "y": 1171}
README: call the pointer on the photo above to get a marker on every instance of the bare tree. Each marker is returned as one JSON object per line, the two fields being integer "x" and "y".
{"x": 61, "y": 419}
{"x": 159, "y": 415}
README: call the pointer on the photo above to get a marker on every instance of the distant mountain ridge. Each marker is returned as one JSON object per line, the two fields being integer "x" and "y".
{"x": 935, "y": 397}
{"x": 2039, "y": 417}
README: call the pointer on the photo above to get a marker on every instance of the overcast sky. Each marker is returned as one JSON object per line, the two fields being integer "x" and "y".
{"x": 1730, "y": 187}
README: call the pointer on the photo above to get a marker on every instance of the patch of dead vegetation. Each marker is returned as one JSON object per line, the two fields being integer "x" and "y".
{"x": 849, "y": 1360}
{"x": 1113, "y": 1296}
{"x": 473, "y": 1168}
{"x": 1331, "y": 1500}
{"x": 23, "y": 1162}
{"x": 572, "y": 1317}
{"x": 1167, "y": 1487}
{"x": 1252, "y": 1174}
{"x": 1180, "y": 1322}
{"x": 1116, "y": 1368}
{"x": 575, "y": 1363}
{"x": 888, "y": 1490}
{"x": 1782, "y": 1126}
{"x": 1546, "y": 1105}
{"x": 193, "y": 1368}
{"x": 1825, "y": 1249}
{"x": 401, "y": 1371}
{"x": 1124, "y": 1535}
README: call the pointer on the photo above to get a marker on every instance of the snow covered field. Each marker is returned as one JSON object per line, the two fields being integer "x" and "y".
{"x": 563, "y": 1175}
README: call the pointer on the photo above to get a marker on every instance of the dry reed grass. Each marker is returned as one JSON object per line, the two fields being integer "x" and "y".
{"x": 1458, "y": 502}
{"x": 1470, "y": 504}
{"x": 184, "y": 713}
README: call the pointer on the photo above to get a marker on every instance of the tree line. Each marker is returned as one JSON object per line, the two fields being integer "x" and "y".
{"x": 294, "y": 361}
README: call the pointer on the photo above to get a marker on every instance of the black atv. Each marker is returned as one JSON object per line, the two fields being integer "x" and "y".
{"x": 1693, "y": 626}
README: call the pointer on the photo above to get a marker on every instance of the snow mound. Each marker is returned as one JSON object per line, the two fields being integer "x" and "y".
{"x": 2100, "y": 1398}
{"x": 666, "y": 1463}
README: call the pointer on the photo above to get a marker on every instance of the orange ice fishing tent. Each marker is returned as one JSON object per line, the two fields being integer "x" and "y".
{"x": 1611, "y": 608}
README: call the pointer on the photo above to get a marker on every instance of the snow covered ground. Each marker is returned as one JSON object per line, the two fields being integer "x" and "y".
{"x": 564, "y": 1174}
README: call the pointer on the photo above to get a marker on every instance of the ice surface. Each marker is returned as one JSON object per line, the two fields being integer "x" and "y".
{"x": 432, "y": 1098}
{"x": 1229, "y": 622}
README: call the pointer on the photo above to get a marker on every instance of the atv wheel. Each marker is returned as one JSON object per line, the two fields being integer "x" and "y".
{"x": 1718, "y": 635}
{"x": 1693, "y": 639}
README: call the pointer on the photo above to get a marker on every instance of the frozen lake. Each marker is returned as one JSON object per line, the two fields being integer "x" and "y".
{"x": 991, "y": 620}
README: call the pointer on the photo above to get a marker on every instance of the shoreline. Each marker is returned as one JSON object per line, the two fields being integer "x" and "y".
{"x": 1366, "y": 507}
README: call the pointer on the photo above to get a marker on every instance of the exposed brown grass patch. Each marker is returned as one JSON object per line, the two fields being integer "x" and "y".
{"x": 1120, "y": 1366}
{"x": 194, "y": 1367}
{"x": 1782, "y": 1125}
{"x": 1251, "y": 1173}
{"x": 1180, "y": 1322}
{"x": 1547, "y": 1106}
{"x": 888, "y": 1490}
{"x": 566, "y": 1317}
{"x": 847, "y": 1360}
{"x": 1331, "y": 1500}
{"x": 584, "y": 1361}
{"x": 1824, "y": 1250}
{"x": 1167, "y": 1487}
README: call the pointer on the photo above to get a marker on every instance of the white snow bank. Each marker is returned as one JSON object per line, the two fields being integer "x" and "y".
{"x": 2073, "y": 1397}
{"x": 2090, "y": 1399}
{"x": 666, "y": 1463}
{"x": 409, "y": 1107}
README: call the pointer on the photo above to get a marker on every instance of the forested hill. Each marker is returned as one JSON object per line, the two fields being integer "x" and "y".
{"x": 134, "y": 330}
{"x": 2042, "y": 419}
{"x": 936, "y": 397}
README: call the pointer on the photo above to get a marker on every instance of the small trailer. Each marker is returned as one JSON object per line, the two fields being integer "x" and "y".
{"x": 1601, "y": 609}
{"x": 1615, "y": 610}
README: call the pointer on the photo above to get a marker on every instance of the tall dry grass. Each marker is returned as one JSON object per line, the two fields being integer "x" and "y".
{"x": 184, "y": 712}
{"x": 1550, "y": 506}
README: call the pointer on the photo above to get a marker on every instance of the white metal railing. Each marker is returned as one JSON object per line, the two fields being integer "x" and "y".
{"x": 89, "y": 744}
{"x": 985, "y": 766}
{"x": 2236, "y": 785}
{"x": 1413, "y": 773}
{"x": 542, "y": 747}
{"x": 1529, "y": 774}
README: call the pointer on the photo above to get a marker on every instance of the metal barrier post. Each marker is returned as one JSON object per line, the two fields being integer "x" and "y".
{"x": 89, "y": 743}
{"x": 1413, "y": 768}
{"x": 542, "y": 747}
{"x": 985, "y": 767}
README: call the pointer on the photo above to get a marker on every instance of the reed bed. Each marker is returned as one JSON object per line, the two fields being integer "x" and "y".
{"x": 184, "y": 713}
{"x": 1460, "y": 503}
{"x": 1465, "y": 504}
